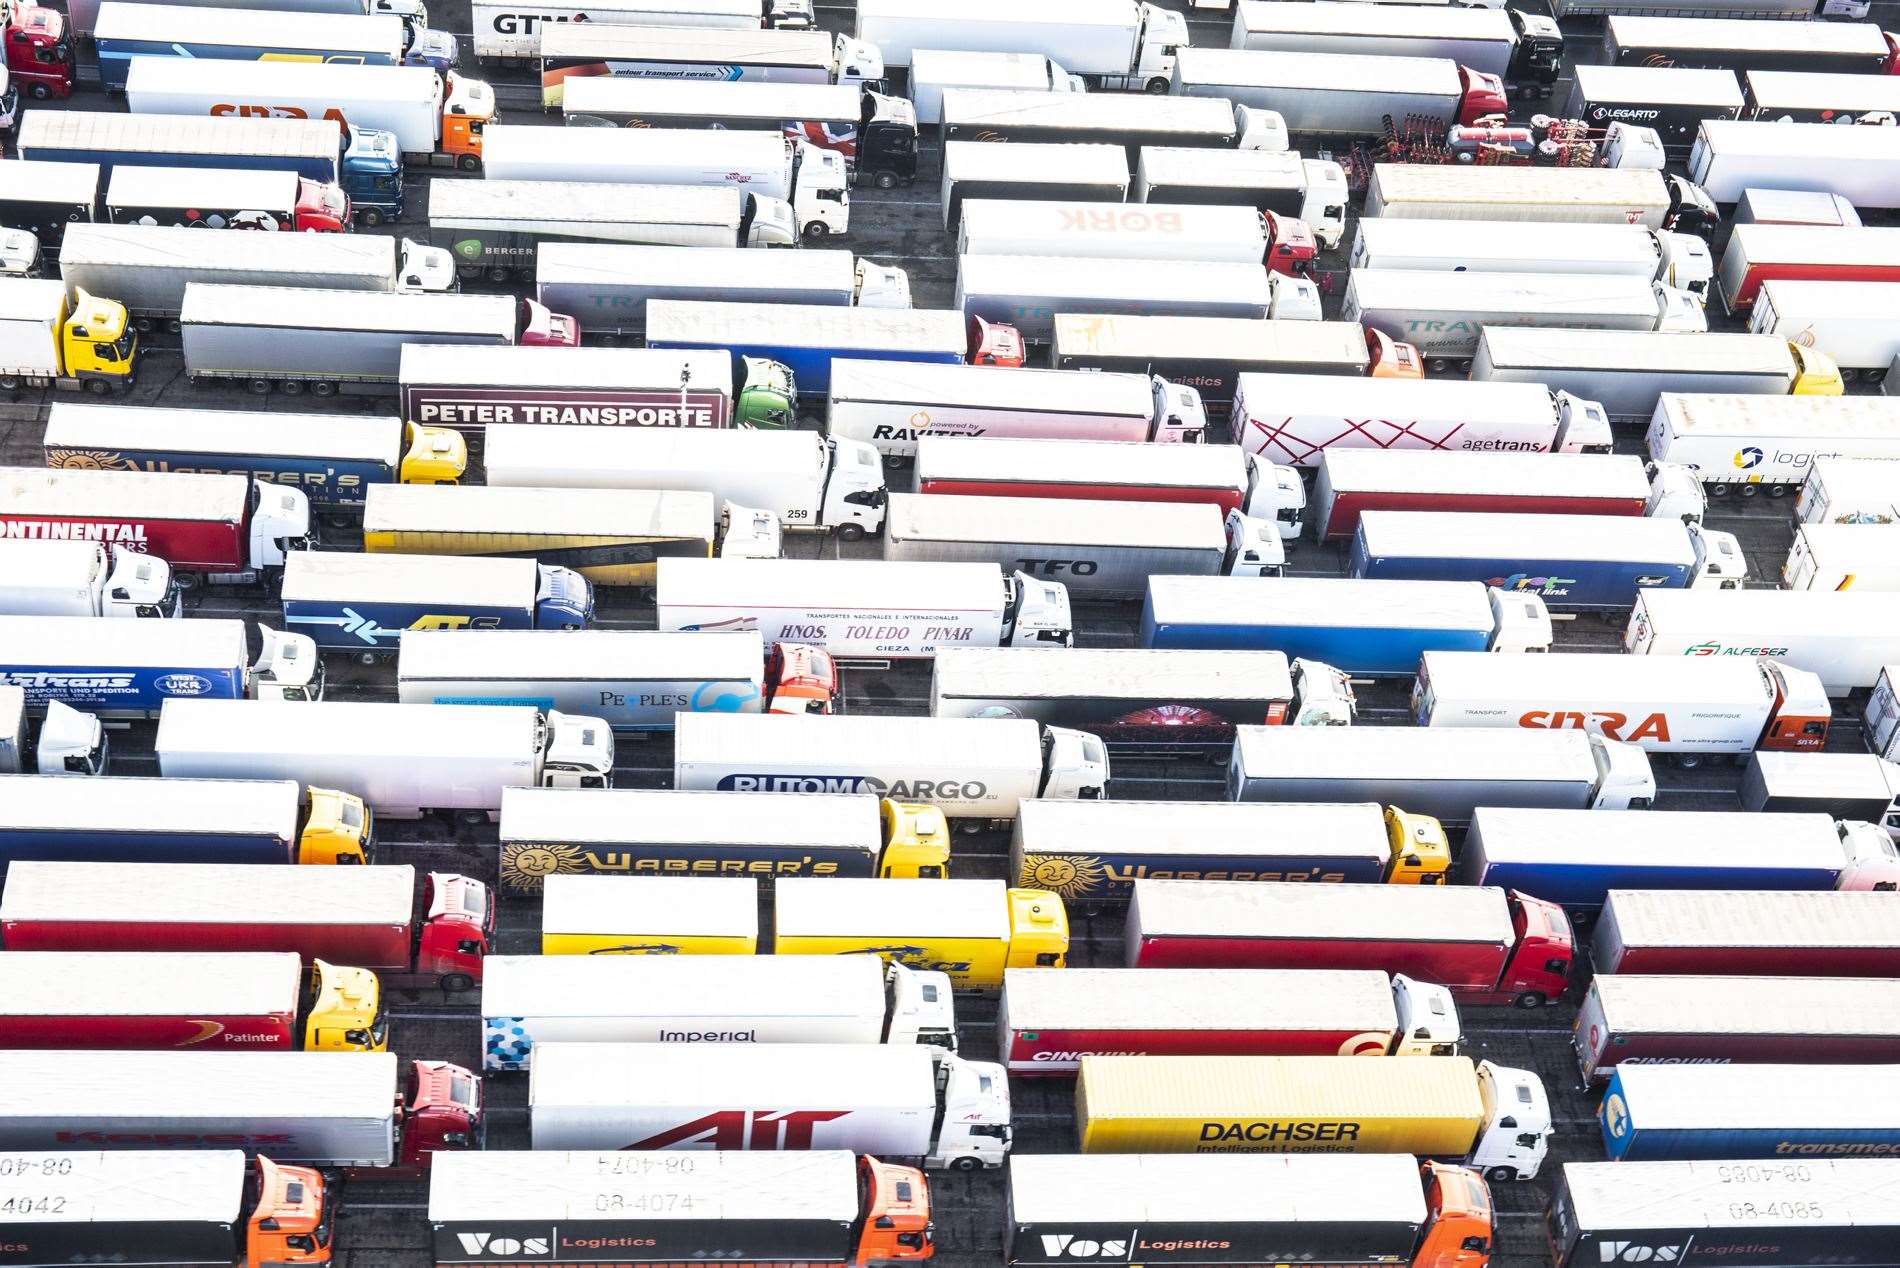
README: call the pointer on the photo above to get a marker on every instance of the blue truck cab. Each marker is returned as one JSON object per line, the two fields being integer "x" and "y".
{"x": 362, "y": 603}
{"x": 372, "y": 175}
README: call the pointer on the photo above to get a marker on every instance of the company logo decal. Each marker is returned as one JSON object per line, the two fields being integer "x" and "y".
{"x": 1613, "y": 726}
{"x": 1713, "y": 648}
{"x": 743, "y": 1129}
{"x": 183, "y": 684}
{"x": 506, "y": 1247}
{"x": 131, "y": 535}
{"x": 1640, "y": 1253}
{"x": 1526, "y": 583}
{"x": 901, "y": 789}
{"x": 1748, "y": 456}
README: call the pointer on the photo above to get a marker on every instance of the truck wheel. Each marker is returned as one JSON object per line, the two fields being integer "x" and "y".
{"x": 1528, "y": 1000}
{"x": 1500, "y": 1174}
{"x": 456, "y": 981}
{"x": 469, "y": 163}
{"x": 293, "y": 387}
{"x": 965, "y": 1164}
{"x": 1716, "y": 490}
{"x": 886, "y": 180}
{"x": 850, "y": 532}
{"x": 40, "y": 92}
{"x": 98, "y": 387}
{"x": 1750, "y": 490}
{"x": 817, "y": 231}
{"x": 366, "y": 658}
{"x": 9, "y": 382}
{"x": 1778, "y": 490}
{"x": 1155, "y": 87}
{"x": 323, "y": 389}
{"x": 1688, "y": 761}
{"x": 260, "y": 387}
{"x": 369, "y": 217}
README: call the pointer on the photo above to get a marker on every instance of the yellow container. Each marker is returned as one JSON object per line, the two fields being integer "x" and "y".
{"x": 1407, "y": 1105}
{"x": 650, "y": 915}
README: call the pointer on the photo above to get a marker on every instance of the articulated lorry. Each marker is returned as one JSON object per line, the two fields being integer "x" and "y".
{"x": 1764, "y": 933}
{"x": 580, "y": 50}
{"x": 1155, "y": 230}
{"x": 81, "y": 578}
{"x": 940, "y": 68}
{"x": 913, "y": 1101}
{"x": 1333, "y": 97}
{"x": 89, "y": 345}
{"x": 1120, "y": 44}
{"x": 1488, "y": 946}
{"x": 129, "y": 669}
{"x": 1788, "y": 96}
{"x": 1859, "y": 164}
{"x": 1072, "y": 172}
{"x": 124, "y": 820}
{"x": 1678, "y": 260}
{"x": 1672, "y": 101}
{"x": 1490, "y": 1117}
{"x": 122, "y": 33}
{"x": 1525, "y": 50}
{"x": 528, "y": 1000}
{"x": 1585, "y": 195}
{"x": 367, "y": 917}
{"x": 401, "y": 759}
{"x": 1751, "y": 444}
{"x": 507, "y": 32}
{"x": 667, "y": 916}
{"x": 969, "y": 768}
{"x": 362, "y": 602}
{"x": 824, "y": 1207}
{"x": 1851, "y": 323}
{"x": 1092, "y": 853}
{"x": 1742, "y": 44}
{"x": 1312, "y": 191}
{"x": 268, "y": 199}
{"x": 642, "y": 832}
{"x": 1759, "y": 253}
{"x": 986, "y": 114}
{"x": 1658, "y": 1113}
{"x": 1844, "y": 638}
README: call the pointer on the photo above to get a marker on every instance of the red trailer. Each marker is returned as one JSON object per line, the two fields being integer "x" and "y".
{"x": 209, "y": 524}
{"x": 1757, "y": 253}
{"x": 359, "y": 916}
{"x": 1632, "y": 1018}
{"x": 1354, "y": 480}
{"x": 1052, "y": 1018}
{"x": 1489, "y": 946}
{"x": 1842, "y": 933}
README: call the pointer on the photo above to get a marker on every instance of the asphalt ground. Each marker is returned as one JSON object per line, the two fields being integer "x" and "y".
{"x": 383, "y": 1224}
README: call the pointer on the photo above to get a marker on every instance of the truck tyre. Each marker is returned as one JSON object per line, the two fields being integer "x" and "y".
{"x": 469, "y": 163}
{"x": 9, "y": 382}
{"x": 98, "y": 387}
{"x": 369, "y": 217}
{"x": 1779, "y": 490}
{"x": 817, "y": 231}
{"x": 1500, "y": 1174}
{"x": 886, "y": 180}
{"x": 1528, "y": 1000}
{"x": 323, "y": 389}
{"x": 293, "y": 387}
{"x": 260, "y": 387}
{"x": 1155, "y": 87}
{"x": 1716, "y": 490}
{"x": 850, "y": 532}
{"x": 456, "y": 981}
{"x": 965, "y": 1164}
{"x": 1750, "y": 490}
{"x": 40, "y": 92}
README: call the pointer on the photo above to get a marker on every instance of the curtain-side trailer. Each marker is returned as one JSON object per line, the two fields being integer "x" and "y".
{"x": 1351, "y": 481}
{"x": 1839, "y": 934}
{"x": 1656, "y": 1113}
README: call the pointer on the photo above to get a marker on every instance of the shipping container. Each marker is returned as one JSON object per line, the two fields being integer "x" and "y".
{"x": 1844, "y": 638}
{"x": 649, "y": 915}
{"x": 1747, "y": 443}
{"x": 1354, "y": 480}
{"x": 1669, "y": 1113}
{"x": 1745, "y": 932}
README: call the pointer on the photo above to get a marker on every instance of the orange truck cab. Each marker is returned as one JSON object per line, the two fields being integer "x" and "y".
{"x": 800, "y": 678}
{"x": 1457, "y": 1232}
{"x": 468, "y": 105}
{"x": 292, "y": 1217}
{"x": 1387, "y": 358}
{"x": 896, "y": 1225}
{"x": 992, "y": 343}
{"x": 39, "y": 53}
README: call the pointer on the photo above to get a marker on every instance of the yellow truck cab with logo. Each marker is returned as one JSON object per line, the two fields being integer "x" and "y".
{"x": 971, "y": 930}
{"x": 342, "y": 1010}
{"x": 649, "y": 915}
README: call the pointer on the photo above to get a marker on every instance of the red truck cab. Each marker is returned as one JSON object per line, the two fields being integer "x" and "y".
{"x": 995, "y": 344}
{"x": 1291, "y": 246}
{"x": 322, "y": 207}
{"x": 39, "y": 51}
{"x": 441, "y": 1110}
{"x": 1538, "y": 969}
{"x": 1483, "y": 96}
{"x": 895, "y": 1210}
{"x": 541, "y": 328}
{"x": 800, "y": 679}
{"x": 454, "y": 933}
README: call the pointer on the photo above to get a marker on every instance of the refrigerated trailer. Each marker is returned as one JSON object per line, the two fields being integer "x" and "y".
{"x": 939, "y": 69}
{"x": 1859, "y": 164}
{"x": 1093, "y": 852}
{"x": 401, "y": 759}
{"x": 125, "y": 820}
{"x": 1748, "y": 932}
{"x": 1741, "y": 44}
{"x": 1698, "y": 706}
{"x": 1331, "y": 97}
{"x": 1310, "y": 190}
{"x": 807, "y": 338}
{"x": 1670, "y": 100}
{"x": 1678, "y": 260}
{"x": 1845, "y": 785}
{"x": 1520, "y": 48}
{"x": 1027, "y": 291}
{"x": 1655, "y": 1113}
{"x": 1351, "y": 481}
{"x": 1119, "y": 44}
{"x": 1760, "y": 253}
{"x": 447, "y": 385}
{"x": 1850, "y": 491}
{"x": 1026, "y": 170}
{"x": 1843, "y": 638}
{"x": 1489, "y": 946}
{"x": 496, "y": 227}
{"x": 1636, "y": 1019}
{"x": 578, "y": 50}
{"x": 1587, "y": 195}
{"x": 988, "y": 114}
{"x": 1842, "y": 557}
{"x": 1851, "y": 323}
{"x": 1750, "y": 443}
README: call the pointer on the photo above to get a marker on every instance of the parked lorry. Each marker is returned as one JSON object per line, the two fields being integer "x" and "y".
{"x": 1844, "y": 638}
{"x": 1795, "y": 207}
{"x": 983, "y": 768}
{"x": 811, "y": 180}
{"x": 362, "y": 916}
{"x": 805, "y": 480}
{"x": 1193, "y": 233}
{"x": 695, "y": 916}
{"x": 43, "y": 198}
{"x": 83, "y": 578}
{"x": 1310, "y": 190}
{"x": 363, "y": 1111}
{"x": 1601, "y": 1206}
{"x": 1592, "y": 563}
{"x": 1088, "y": 546}
{"x": 641, "y": 832}
{"x": 1444, "y": 773}
{"x": 1491, "y": 1117}
{"x": 1337, "y": 96}
{"x": 437, "y": 118}
{"x": 971, "y": 931}
{"x": 1656, "y": 1113}
{"x": 327, "y": 341}
{"x": 452, "y": 386}
{"x": 1585, "y": 195}
{"x": 1092, "y": 853}
{"x": 39, "y": 50}
{"x": 333, "y": 460}
{"x": 126, "y": 820}
{"x": 509, "y": 33}
{"x": 67, "y": 742}
{"x": 362, "y": 602}
{"x": 1525, "y": 50}
{"x": 938, "y": 69}
{"x": 807, "y": 338}
{"x": 1487, "y": 946}
{"x": 401, "y": 759}
{"x": 119, "y": 669}
{"x": 827, "y": 1207}
{"x": 1742, "y": 44}
{"x": 1106, "y": 471}
{"x": 1634, "y": 1019}
{"x": 1851, "y": 323}
{"x": 1074, "y": 172}
{"x": 1861, "y": 786}
{"x": 1749, "y": 444}
{"x": 1442, "y": 314}
{"x": 1121, "y": 44}
{"x": 210, "y": 1002}
{"x": 992, "y": 114}
{"x": 1148, "y": 1202}
{"x": 1695, "y": 708}
{"x": 122, "y": 32}
{"x": 1296, "y": 418}
{"x": 1388, "y": 244}
{"x": 1364, "y": 628}
{"x": 579, "y": 50}
{"x": 528, "y": 1000}
{"x": 1671, "y": 100}
{"x": 1051, "y": 1018}
{"x": 270, "y": 199}
{"x": 1760, "y": 253}
{"x": 88, "y": 346}
{"x": 903, "y": 1100}
{"x": 634, "y": 680}
{"x": 1746, "y": 932}
{"x": 203, "y": 1207}
{"x": 1026, "y": 292}
{"x": 1842, "y": 557}
{"x": 147, "y": 268}
{"x": 1859, "y": 164}
{"x": 1627, "y": 372}
{"x": 366, "y": 164}
{"x": 1881, "y": 716}
{"x": 1352, "y": 481}
{"x": 607, "y": 287}
{"x": 1849, "y": 491}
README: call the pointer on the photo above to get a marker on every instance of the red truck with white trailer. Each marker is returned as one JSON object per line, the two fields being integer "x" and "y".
{"x": 1854, "y": 933}
{"x": 1759, "y": 253}
{"x": 361, "y": 916}
{"x": 1488, "y": 946}
{"x": 1052, "y": 1018}
{"x": 230, "y": 527}
{"x": 1665, "y": 1019}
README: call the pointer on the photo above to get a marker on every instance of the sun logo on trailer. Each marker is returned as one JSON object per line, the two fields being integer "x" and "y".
{"x": 1069, "y": 875}
{"x": 87, "y": 460}
{"x": 528, "y": 865}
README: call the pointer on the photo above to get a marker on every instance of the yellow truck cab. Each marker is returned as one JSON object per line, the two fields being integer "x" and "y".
{"x": 649, "y": 915}
{"x": 335, "y": 828}
{"x": 1421, "y": 854}
{"x": 97, "y": 341}
{"x": 1816, "y": 373}
{"x": 292, "y": 1219}
{"x": 433, "y": 455}
{"x": 89, "y": 344}
{"x": 916, "y": 840}
{"x": 970, "y": 930}
{"x": 342, "y": 1010}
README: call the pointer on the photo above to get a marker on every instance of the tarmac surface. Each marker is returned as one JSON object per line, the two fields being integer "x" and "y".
{"x": 383, "y": 1224}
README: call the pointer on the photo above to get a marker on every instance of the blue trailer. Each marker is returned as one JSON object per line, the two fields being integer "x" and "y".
{"x": 1369, "y": 629}
{"x": 1576, "y": 858}
{"x": 363, "y": 602}
{"x": 125, "y": 31}
{"x": 1664, "y": 1113}
{"x": 806, "y": 337}
{"x": 58, "y": 819}
{"x": 1575, "y": 562}
{"x": 128, "y": 669}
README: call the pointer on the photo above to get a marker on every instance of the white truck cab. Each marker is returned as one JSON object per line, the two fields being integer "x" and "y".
{"x": 1323, "y": 206}
{"x": 1036, "y": 613}
{"x": 280, "y": 523}
{"x": 1260, "y": 129}
{"x": 918, "y": 1007}
{"x": 1428, "y": 1019}
{"x": 855, "y": 495}
{"x": 1074, "y": 765}
{"x": 773, "y": 223}
{"x": 1322, "y": 696}
{"x": 877, "y": 285}
{"x": 859, "y": 63}
{"x": 1583, "y": 426}
{"x": 821, "y": 191}
{"x": 1275, "y": 493}
{"x": 1719, "y": 563}
{"x": 1516, "y": 1133}
{"x": 789, "y": 15}
{"x": 70, "y": 742}
{"x": 287, "y": 667}
{"x": 1675, "y": 493}
{"x": 746, "y": 533}
{"x": 139, "y": 585}
{"x": 425, "y": 269}
{"x": 1630, "y": 145}
{"x": 1680, "y": 311}
{"x": 1686, "y": 264}
{"x": 576, "y": 751}
{"x": 1293, "y": 298}
{"x": 1254, "y": 548}
{"x": 973, "y": 1113}
{"x": 1624, "y": 778}
{"x": 19, "y": 253}
{"x": 1162, "y": 32}
{"x": 1873, "y": 862}
{"x": 1179, "y": 412}
{"x": 1519, "y": 622}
